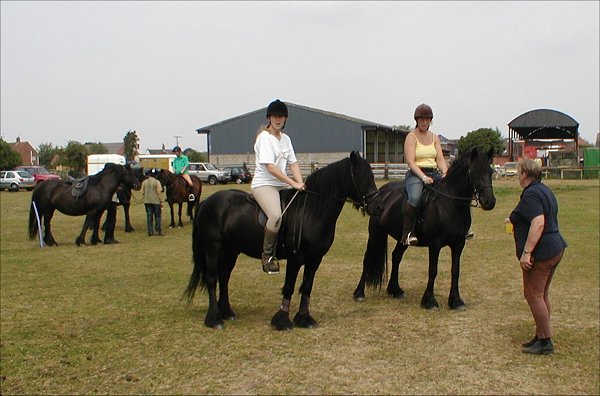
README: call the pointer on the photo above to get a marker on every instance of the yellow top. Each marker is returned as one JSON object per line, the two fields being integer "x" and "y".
{"x": 425, "y": 155}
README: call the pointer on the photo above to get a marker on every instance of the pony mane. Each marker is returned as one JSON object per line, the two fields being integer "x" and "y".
{"x": 329, "y": 180}
{"x": 460, "y": 164}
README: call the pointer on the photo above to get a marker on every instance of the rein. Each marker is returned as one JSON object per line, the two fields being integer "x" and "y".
{"x": 474, "y": 197}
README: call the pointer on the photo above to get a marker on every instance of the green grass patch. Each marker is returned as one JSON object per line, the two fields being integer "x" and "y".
{"x": 110, "y": 319}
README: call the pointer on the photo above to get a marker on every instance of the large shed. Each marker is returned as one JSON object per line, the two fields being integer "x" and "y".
{"x": 318, "y": 136}
{"x": 542, "y": 124}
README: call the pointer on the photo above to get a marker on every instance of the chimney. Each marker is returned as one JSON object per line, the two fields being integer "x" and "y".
{"x": 18, "y": 139}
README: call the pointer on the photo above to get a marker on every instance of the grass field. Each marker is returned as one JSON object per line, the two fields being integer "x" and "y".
{"x": 110, "y": 319}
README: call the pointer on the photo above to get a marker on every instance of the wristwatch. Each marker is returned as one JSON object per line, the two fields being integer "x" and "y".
{"x": 526, "y": 251}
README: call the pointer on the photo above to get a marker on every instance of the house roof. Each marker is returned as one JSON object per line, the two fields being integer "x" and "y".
{"x": 545, "y": 124}
{"x": 324, "y": 112}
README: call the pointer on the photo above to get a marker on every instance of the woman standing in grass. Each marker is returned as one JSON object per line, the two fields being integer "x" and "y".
{"x": 539, "y": 248}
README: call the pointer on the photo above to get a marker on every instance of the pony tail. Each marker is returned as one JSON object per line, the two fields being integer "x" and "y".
{"x": 375, "y": 259}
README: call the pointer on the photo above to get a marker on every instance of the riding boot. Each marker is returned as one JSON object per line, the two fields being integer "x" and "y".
{"x": 191, "y": 196}
{"x": 270, "y": 265}
{"x": 410, "y": 215}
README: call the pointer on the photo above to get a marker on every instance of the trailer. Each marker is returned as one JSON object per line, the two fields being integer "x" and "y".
{"x": 158, "y": 161}
{"x": 96, "y": 162}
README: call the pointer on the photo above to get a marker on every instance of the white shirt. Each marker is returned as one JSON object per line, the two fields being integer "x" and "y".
{"x": 270, "y": 150}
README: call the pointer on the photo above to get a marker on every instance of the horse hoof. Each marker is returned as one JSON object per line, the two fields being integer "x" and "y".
{"x": 110, "y": 241}
{"x": 460, "y": 308}
{"x": 359, "y": 299}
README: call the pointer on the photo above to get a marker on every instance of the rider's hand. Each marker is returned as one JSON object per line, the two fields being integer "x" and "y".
{"x": 427, "y": 180}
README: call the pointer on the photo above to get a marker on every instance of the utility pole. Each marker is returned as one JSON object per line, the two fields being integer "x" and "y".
{"x": 177, "y": 139}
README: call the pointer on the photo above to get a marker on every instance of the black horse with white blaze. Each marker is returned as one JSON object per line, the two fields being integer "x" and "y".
{"x": 444, "y": 220}
{"x": 226, "y": 225}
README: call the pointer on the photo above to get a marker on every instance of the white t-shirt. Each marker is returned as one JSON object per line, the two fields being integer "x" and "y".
{"x": 269, "y": 150}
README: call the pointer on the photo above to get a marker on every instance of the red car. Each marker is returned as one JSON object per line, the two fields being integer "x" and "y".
{"x": 39, "y": 172}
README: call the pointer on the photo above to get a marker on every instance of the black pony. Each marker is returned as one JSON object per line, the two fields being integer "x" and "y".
{"x": 444, "y": 220}
{"x": 52, "y": 195}
{"x": 124, "y": 197}
{"x": 226, "y": 225}
{"x": 177, "y": 193}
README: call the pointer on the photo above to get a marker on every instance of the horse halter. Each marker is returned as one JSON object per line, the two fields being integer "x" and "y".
{"x": 366, "y": 199}
{"x": 477, "y": 190}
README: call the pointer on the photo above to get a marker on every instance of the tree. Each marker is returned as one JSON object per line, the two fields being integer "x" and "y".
{"x": 195, "y": 156}
{"x": 9, "y": 158}
{"x": 96, "y": 148}
{"x": 46, "y": 152}
{"x": 483, "y": 137}
{"x": 403, "y": 127}
{"x": 131, "y": 142}
{"x": 75, "y": 157}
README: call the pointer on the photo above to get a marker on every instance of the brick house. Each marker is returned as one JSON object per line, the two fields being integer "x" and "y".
{"x": 29, "y": 155}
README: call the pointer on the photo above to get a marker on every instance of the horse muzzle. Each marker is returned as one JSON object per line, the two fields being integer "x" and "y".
{"x": 373, "y": 204}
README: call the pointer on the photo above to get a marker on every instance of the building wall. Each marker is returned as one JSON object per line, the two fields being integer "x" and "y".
{"x": 303, "y": 158}
{"x": 311, "y": 131}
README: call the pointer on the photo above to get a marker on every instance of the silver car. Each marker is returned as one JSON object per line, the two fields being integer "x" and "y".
{"x": 16, "y": 179}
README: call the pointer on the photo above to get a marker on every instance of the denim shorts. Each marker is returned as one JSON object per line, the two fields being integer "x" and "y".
{"x": 414, "y": 185}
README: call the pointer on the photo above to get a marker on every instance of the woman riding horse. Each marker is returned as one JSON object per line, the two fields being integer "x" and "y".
{"x": 227, "y": 224}
{"x": 444, "y": 220}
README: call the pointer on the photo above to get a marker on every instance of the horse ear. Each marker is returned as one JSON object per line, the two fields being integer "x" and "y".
{"x": 354, "y": 155}
{"x": 474, "y": 153}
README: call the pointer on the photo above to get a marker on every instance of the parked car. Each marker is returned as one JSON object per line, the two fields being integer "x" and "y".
{"x": 208, "y": 172}
{"x": 239, "y": 174}
{"x": 510, "y": 168}
{"x": 15, "y": 180}
{"x": 39, "y": 172}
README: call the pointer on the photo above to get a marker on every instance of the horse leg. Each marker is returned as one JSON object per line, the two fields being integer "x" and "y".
{"x": 172, "y": 225}
{"x": 428, "y": 301}
{"x": 128, "y": 227}
{"x": 303, "y": 318}
{"x": 226, "y": 267}
{"x": 454, "y": 300}
{"x": 48, "y": 237}
{"x": 281, "y": 319}
{"x": 180, "y": 225}
{"x": 213, "y": 318}
{"x": 87, "y": 223}
{"x": 94, "y": 224}
{"x": 394, "y": 288}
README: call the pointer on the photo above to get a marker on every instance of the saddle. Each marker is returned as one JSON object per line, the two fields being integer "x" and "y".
{"x": 261, "y": 217}
{"x": 79, "y": 186}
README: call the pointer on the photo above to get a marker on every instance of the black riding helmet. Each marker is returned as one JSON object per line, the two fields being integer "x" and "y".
{"x": 176, "y": 149}
{"x": 277, "y": 108}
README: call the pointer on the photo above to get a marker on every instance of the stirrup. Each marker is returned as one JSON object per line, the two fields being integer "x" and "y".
{"x": 270, "y": 265}
{"x": 411, "y": 240}
{"x": 470, "y": 235}
{"x": 191, "y": 197}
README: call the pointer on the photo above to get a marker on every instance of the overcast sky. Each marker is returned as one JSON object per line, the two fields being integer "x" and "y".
{"x": 90, "y": 71}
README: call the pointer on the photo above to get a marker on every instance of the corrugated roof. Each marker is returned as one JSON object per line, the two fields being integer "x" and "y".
{"x": 545, "y": 124}
{"x": 311, "y": 109}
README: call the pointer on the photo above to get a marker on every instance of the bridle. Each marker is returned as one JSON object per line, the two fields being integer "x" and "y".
{"x": 365, "y": 199}
{"x": 473, "y": 198}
